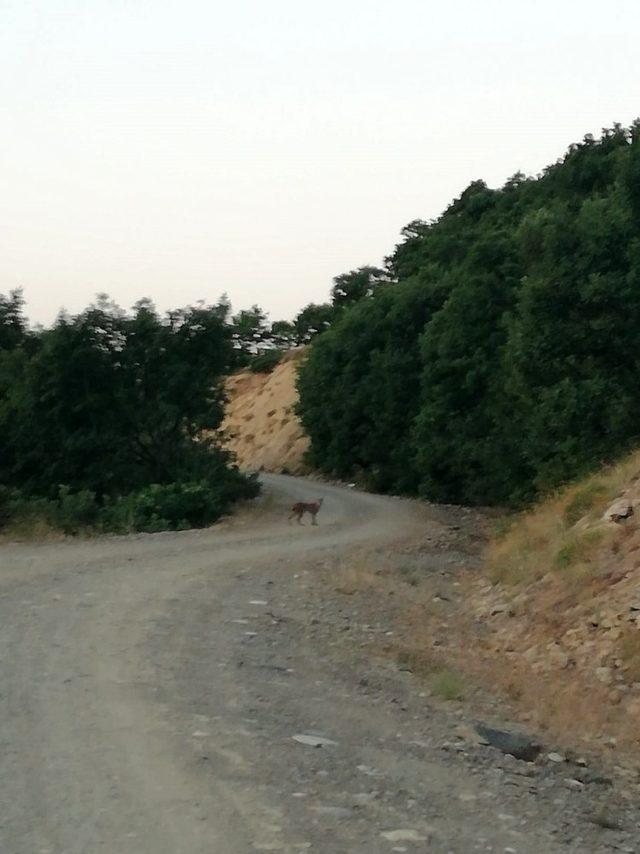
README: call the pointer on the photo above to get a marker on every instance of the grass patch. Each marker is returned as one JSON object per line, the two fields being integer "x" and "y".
{"x": 528, "y": 546}
{"x": 266, "y": 362}
{"x": 579, "y": 549}
{"x": 448, "y": 685}
{"x": 593, "y": 494}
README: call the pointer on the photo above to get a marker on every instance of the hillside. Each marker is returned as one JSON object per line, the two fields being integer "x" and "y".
{"x": 260, "y": 426}
{"x": 490, "y": 362}
{"x": 559, "y": 608}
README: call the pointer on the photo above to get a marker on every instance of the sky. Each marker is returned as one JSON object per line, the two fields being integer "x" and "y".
{"x": 179, "y": 149}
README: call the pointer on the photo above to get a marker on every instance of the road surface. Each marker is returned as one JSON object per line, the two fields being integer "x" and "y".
{"x": 151, "y": 689}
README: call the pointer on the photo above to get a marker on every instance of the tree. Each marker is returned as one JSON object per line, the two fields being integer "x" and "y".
{"x": 527, "y": 319}
{"x": 359, "y": 388}
{"x": 349, "y": 288}
{"x": 283, "y": 334}
{"x": 249, "y": 332}
{"x": 111, "y": 402}
{"x": 13, "y": 327}
{"x": 313, "y": 320}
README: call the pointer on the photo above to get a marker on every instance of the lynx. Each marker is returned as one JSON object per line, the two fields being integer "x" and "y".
{"x": 298, "y": 510}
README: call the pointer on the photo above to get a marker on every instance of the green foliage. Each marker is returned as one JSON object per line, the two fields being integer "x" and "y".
{"x": 13, "y": 328}
{"x": 349, "y": 288}
{"x": 73, "y": 512}
{"x": 173, "y": 506}
{"x": 116, "y": 407}
{"x": 448, "y": 685}
{"x": 359, "y": 388}
{"x": 266, "y": 362}
{"x": 578, "y": 549}
{"x": 583, "y": 501}
{"x": 514, "y": 367}
{"x": 249, "y": 329}
{"x": 313, "y": 320}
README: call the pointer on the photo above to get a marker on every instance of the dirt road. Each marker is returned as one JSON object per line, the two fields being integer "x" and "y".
{"x": 151, "y": 688}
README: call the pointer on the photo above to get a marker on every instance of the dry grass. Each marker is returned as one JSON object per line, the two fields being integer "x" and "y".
{"x": 629, "y": 652}
{"x": 406, "y": 591}
{"x": 357, "y": 576}
{"x": 31, "y": 529}
{"x": 564, "y": 532}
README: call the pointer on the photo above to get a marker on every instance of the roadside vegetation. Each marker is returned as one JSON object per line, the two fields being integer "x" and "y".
{"x": 493, "y": 358}
{"x": 564, "y": 533}
{"x": 104, "y": 419}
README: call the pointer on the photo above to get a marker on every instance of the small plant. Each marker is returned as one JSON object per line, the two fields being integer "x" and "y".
{"x": 72, "y": 512}
{"x": 583, "y": 501}
{"x": 603, "y": 817}
{"x": 578, "y": 549}
{"x": 5, "y": 506}
{"x": 448, "y": 685}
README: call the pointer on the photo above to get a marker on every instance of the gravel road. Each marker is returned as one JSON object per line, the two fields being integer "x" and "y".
{"x": 151, "y": 688}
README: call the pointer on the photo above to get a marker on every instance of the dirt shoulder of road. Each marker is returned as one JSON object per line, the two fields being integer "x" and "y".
{"x": 451, "y": 625}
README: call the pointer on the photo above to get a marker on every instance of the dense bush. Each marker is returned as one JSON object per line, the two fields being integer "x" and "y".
{"x": 502, "y": 359}
{"x": 266, "y": 362}
{"x": 117, "y": 408}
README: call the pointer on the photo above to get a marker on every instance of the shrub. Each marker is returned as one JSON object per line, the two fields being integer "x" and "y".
{"x": 448, "y": 685}
{"x": 173, "y": 506}
{"x": 158, "y": 507}
{"x": 266, "y": 362}
{"x": 5, "y": 508}
{"x": 583, "y": 501}
{"x": 578, "y": 549}
{"x": 73, "y": 512}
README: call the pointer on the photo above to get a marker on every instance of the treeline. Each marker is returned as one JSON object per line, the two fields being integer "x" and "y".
{"x": 497, "y": 352}
{"x": 106, "y": 419}
{"x": 258, "y": 342}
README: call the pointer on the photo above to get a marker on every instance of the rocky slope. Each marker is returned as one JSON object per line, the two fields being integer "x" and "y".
{"x": 557, "y": 609}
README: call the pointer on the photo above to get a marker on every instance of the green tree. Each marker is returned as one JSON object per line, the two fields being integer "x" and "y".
{"x": 111, "y": 402}
{"x": 313, "y": 320}
{"x": 351, "y": 287}
{"x": 13, "y": 326}
{"x": 249, "y": 331}
{"x": 525, "y": 353}
{"x": 359, "y": 388}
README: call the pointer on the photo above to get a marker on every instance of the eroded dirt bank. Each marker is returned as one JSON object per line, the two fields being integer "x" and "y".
{"x": 260, "y": 425}
{"x": 152, "y": 688}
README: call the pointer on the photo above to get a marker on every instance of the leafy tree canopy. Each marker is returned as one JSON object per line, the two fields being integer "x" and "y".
{"x": 110, "y": 403}
{"x": 515, "y": 366}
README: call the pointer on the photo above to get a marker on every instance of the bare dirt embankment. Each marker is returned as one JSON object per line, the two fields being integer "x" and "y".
{"x": 260, "y": 426}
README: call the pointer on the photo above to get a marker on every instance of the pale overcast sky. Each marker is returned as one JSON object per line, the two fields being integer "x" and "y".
{"x": 181, "y": 148}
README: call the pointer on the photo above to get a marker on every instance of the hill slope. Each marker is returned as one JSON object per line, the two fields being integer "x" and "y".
{"x": 260, "y": 426}
{"x": 560, "y": 608}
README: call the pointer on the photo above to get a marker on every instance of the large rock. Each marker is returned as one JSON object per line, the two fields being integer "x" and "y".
{"x": 619, "y": 511}
{"x": 518, "y": 745}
